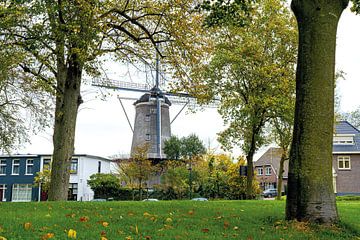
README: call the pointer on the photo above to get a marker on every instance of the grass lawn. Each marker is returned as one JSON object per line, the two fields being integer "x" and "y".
{"x": 167, "y": 220}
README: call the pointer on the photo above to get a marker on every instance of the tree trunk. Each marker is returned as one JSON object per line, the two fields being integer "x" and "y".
{"x": 280, "y": 175}
{"x": 310, "y": 191}
{"x": 68, "y": 100}
{"x": 250, "y": 172}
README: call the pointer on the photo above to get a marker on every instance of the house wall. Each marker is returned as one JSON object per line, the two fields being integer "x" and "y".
{"x": 86, "y": 167}
{"x": 9, "y": 179}
{"x": 348, "y": 181}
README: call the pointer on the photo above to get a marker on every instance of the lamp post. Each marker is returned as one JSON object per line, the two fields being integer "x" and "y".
{"x": 190, "y": 179}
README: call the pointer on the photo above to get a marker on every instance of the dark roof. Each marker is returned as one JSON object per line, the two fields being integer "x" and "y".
{"x": 272, "y": 157}
{"x": 152, "y": 94}
{"x": 343, "y": 128}
{"x": 49, "y": 155}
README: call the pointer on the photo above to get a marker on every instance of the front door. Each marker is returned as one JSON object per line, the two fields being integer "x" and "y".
{"x": 1, "y": 194}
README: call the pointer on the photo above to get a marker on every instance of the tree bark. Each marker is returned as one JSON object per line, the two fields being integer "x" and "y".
{"x": 310, "y": 191}
{"x": 68, "y": 100}
{"x": 281, "y": 174}
{"x": 250, "y": 169}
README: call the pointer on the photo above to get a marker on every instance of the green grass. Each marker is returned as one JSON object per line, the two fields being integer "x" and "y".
{"x": 169, "y": 220}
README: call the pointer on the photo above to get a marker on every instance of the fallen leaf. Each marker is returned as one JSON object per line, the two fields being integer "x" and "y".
{"x": 27, "y": 225}
{"x": 47, "y": 236}
{"x": 146, "y": 214}
{"x": 103, "y": 238}
{"x": 236, "y": 228}
{"x": 205, "y": 230}
{"x": 72, "y": 233}
{"x": 168, "y": 220}
{"x": 72, "y": 215}
{"x": 110, "y": 209}
{"x": 191, "y": 212}
{"x": 84, "y": 219}
{"x": 249, "y": 238}
{"x": 128, "y": 238}
{"x": 105, "y": 224}
{"x": 226, "y": 224}
{"x": 136, "y": 230}
{"x": 147, "y": 237}
{"x": 103, "y": 233}
{"x": 48, "y": 215}
{"x": 130, "y": 214}
{"x": 2, "y": 238}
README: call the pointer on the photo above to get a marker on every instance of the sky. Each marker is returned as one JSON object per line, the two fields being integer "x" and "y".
{"x": 102, "y": 128}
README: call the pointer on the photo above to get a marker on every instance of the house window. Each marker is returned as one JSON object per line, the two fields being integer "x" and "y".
{"x": 73, "y": 191}
{"x": 46, "y": 163}
{"x": 99, "y": 166}
{"x": 147, "y": 118}
{"x": 148, "y": 137}
{"x": 15, "y": 167}
{"x": 29, "y": 167}
{"x": 2, "y": 167}
{"x": 2, "y": 192}
{"x": 343, "y": 140}
{"x": 344, "y": 162}
{"x": 21, "y": 193}
{"x": 74, "y": 166}
{"x": 268, "y": 171}
{"x": 260, "y": 171}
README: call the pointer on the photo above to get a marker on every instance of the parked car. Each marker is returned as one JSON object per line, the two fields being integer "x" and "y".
{"x": 271, "y": 192}
{"x": 150, "y": 200}
{"x": 199, "y": 199}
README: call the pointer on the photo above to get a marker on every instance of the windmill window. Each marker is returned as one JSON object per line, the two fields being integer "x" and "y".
{"x": 147, "y": 118}
{"x": 148, "y": 137}
{"x": 153, "y": 110}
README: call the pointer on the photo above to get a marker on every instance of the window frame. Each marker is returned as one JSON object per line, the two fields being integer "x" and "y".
{"x": 268, "y": 171}
{"x": 260, "y": 173}
{"x": 16, "y": 192}
{"x": 72, "y": 163}
{"x": 343, "y": 159}
{"x": 4, "y": 188}
{"x": 28, "y": 165}
{"x": 13, "y": 167}
{"x": 3, "y": 164}
{"x": 47, "y": 164}
{"x": 148, "y": 137}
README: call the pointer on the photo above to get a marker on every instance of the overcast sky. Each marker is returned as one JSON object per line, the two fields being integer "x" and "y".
{"x": 102, "y": 128}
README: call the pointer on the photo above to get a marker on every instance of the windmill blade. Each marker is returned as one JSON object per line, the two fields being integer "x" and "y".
{"x": 120, "y": 85}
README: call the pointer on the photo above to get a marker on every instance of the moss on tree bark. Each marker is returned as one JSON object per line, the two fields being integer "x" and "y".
{"x": 310, "y": 191}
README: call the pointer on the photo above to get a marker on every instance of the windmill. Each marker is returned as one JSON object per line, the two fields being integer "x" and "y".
{"x": 152, "y": 118}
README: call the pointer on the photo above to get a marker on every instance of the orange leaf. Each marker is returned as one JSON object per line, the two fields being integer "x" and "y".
{"x": 47, "y": 236}
{"x": 147, "y": 237}
{"x": 84, "y": 219}
{"x": 191, "y": 212}
{"x": 27, "y": 225}
{"x": 103, "y": 233}
{"x": 103, "y": 238}
{"x": 205, "y": 230}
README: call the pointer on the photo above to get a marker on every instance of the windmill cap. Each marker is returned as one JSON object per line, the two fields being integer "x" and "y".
{"x": 152, "y": 94}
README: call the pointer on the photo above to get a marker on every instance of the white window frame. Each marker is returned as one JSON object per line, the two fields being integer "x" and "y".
{"x": 21, "y": 193}
{"x": 2, "y": 164}
{"x": 28, "y": 165}
{"x": 43, "y": 163}
{"x": 260, "y": 171}
{"x": 344, "y": 159}
{"x": 268, "y": 171}
{"x": 72, "y": 171}
{"x": 13, "y": 165}
{"x": 148, "y": 137}
{"x": 3, "y": 187}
